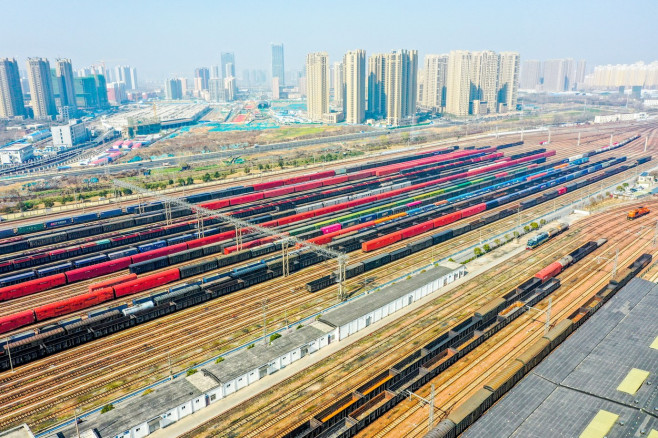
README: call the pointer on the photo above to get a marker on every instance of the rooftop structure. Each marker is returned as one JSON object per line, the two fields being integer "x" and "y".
{"x": 602, "y": 377}
{"x": 148, "y": 411}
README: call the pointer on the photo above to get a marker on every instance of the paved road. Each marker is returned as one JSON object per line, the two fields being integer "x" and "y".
{"x": 117, "y": 168}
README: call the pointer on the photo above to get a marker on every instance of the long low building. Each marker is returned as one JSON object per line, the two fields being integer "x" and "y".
{"x": 159, "y": 406}
{"x": 601, "y": 382}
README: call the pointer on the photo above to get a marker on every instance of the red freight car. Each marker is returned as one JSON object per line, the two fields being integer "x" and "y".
{"x": 97, "y": 270}
{"x": 215, "y": 205}
{"x": 31, "y": 287}
{"x": 246, "y": 245}
{"x": 470, "y": 211}
{"x": 308, "y": 186}
{"x": 17, "y": 320}
{"x": 112, "y": 282}
{"x": 381, "y": 242}
{"x": 417, "y": 229}
{"x": 246, "y": 198}
{"x": 278, "y": 192}
{"x": 561, "y": 191}
{"x": 146, "y": 283}
{"x": 148, "y": 255}
{"x": 214, "y": 238}
{"x": 74, "y": 304}
{"x": 267, "y": 185}
{"x": 549, "y": 271}
{"x": 447, "y": 219}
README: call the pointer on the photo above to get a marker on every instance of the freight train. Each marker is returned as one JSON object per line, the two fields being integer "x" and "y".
{"x": 545, "y": 236}
{"x": 28, "y": 346}
{"x": 39, "y": 259}
{"x": 284, "y": 207}
{"x": 466, "y": 414}
{"x": 365, "y": 240}
{"x": 223, "y": 193}
{"x": 391, "y": 386}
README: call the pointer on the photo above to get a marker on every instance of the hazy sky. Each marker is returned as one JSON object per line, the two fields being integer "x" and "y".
{"x": 170, "y": 38}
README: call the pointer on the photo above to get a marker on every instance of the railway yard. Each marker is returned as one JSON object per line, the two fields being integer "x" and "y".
{"x": 99, "y": 305}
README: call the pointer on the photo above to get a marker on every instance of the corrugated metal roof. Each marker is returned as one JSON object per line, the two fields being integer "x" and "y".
{"x": 600, "y": 425}
{"x": 580, "y": 377}
{"x": 654, "y": 344}
{"x": 633, "y": 380}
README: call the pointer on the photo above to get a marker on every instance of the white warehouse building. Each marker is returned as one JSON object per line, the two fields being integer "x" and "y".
{"x": 67, "y": 136}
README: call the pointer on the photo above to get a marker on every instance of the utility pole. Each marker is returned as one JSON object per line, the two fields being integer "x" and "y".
{"x": 549, "y": 136}
{"x": 546, "y": 312}
{"x": 171, "y": 374}
{"x": 610, "y": 140}
{"x": 11, "y": 364}
{"x": 646, "y": 141}
{"x": 614, "y": 261}
{"x": 655, "y": 234}
{"x": 77, "y": 429}
{"x": 429, "y": 402}
{"x": 578, "y": 138}
{"x": 264, "y": 305}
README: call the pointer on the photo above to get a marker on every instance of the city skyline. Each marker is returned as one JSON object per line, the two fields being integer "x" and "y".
{"x": 551, "y": 37}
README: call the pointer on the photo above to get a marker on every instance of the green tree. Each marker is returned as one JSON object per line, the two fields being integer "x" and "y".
{"x": 107, "y": 408}
{"x": 181, "y": 182}
{"x": 220, "y": 359}
{"x": 170, "y": 182}
{"x": 534, "y": 225}
{"x": 497, "y": 242}
{"x": 526, "y": 228}
{"x": 477, "y": 252}
{"x": 206, "y": 177}
{"x": 247, "y": 170}
{"x": 516, "y": 234}
{"x": 191, "y": 371}
{"x": 215, "y": 175}
{"x": 190, "y": 180}
{"x": 251, "y": 346}
{"x": 486, "y": 247}
{"x": 274, "y": 337}
{"x": 280, "y": 163}
{"x": 260, "y": 166}
{"x": 48, "y": 203}
{"x": 542, "y": 222}
{"x": 125, "y": 191}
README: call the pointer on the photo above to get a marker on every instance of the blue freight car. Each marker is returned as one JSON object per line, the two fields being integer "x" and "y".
{"x": 150, "y": 246}
{"x": 59, "y": 222}
{"x": 110, "y": 213}
{"x": 90, "y": 260}
{"x": 16, "y": 278}
{"x": 85, "y": 217}
{"x": 124, "y": 253}
{"x": 62, "y": 267}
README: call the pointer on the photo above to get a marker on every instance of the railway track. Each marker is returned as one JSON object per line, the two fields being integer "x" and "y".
{"x": 248, "y": 425}
{"x": 122, "y": 353}
{"x": 60, "y": 293}
{"x": 564, "y": 304}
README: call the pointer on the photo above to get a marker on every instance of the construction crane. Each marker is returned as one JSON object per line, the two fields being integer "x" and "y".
{"x": 242, "y": 226}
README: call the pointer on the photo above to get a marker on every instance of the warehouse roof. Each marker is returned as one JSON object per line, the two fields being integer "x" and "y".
{"x": 22, "y": 431}
{"x": 371, "y": 302}
{"x": 247, "y": 360}
{"x": 137, "y": 410}
{"x": 565, "y": 393}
